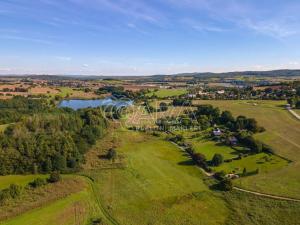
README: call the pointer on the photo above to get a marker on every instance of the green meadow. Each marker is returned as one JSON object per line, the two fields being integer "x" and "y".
{"x": 159, "y": 185}
{"x": 282, "y": 134}
{"x": 163, "y": 93}
{"x": 22, "y": 180}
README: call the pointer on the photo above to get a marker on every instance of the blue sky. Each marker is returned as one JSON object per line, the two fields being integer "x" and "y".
{"x": 139, "y": 37}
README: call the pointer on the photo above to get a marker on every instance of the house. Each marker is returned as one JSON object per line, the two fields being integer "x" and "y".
{"x": 232, "y": 176}
{"x": 217, "y": 132}
{"x": 233, "y": 140}
{"x": 192, "y": 96}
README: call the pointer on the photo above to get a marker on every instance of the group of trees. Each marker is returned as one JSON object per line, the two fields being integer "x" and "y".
{"x": 207, "y": 116}
{"x": 52, "y": 141}
{"x": 182, "y": 102}
{"x": 150, "y": 109}
{"x": 120, "y": 92}
{"x": 12, "y": 110}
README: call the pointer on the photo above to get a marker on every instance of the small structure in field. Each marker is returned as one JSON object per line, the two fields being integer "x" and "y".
{"x": 233, "y": 141}
{"x": 217, "y": 132}
{"x": 232, "y": 176}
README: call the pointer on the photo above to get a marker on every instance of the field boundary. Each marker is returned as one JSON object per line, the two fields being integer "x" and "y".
{"x": 276, "y": 197}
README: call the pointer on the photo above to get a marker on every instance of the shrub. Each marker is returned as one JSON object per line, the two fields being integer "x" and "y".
{"x": 37, "y": 182}
{"x": 220, "y": 175}
{"x": 111, "y": 154}
{"x": 217, "y": 160}
{"x": 4, "y": 196}
{"x": 54, "y": 177}
{"x": 226, "y": 184}
{"x": 14, "y": 190}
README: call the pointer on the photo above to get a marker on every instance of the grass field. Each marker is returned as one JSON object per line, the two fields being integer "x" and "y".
{"x": 138, "y": 116}
{"x": 283, "y": 132}
{"x": 163, "y": 93}
{"x": 77, "y": 208}
{"x": 159, "y": 185}
{"x": 22, "y": 180}
{"x": 247, "y": 209}
{"x": 264, "y": 162}
{"x": 61, "y": 203}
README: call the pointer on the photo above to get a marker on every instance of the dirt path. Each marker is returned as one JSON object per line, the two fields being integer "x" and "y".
{"x": 107, "y": 215}
{"x": 294, "y": 114}
{"x": 267, "y": 195}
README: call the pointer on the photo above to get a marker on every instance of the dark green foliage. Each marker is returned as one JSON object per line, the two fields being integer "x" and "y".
{"x": 182, "y": 102}
{"x": 226, "y": 184}
{"x": 49, "y": 141}
{"x": 163, "y": 106}
{"x": 38, "y": 182}
{"x": 220, "y": 175}
{"x": 14, "y": 109}
{"x": 14, "y": 190}
{"x": 217, "y": 160}
{"x": 4, "y": 196}
{"x": 111, "y": 154}
{"x": 54, "y": 177}
{"x": 59, "y": 162}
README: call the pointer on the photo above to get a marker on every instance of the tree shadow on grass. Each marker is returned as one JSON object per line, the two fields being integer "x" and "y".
{"x": 186, "y": 163}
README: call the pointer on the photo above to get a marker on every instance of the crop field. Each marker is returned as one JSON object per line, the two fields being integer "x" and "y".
{"x": 163, "y": 93}
{"x": 150, "y": 185}
{"x": 282, "y": 133}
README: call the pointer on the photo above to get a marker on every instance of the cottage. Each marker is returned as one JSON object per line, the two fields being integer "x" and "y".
{"x": 233, "y": 141}
{"x": 217, "y": 132}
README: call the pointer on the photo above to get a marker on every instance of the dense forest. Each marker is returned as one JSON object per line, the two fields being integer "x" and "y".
{"x": 47, "y": 140}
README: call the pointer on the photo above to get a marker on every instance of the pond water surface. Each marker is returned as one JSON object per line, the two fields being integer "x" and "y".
{"x": 81, "y": 104}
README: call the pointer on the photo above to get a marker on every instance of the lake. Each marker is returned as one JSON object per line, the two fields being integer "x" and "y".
{"x": 81, "y": 104}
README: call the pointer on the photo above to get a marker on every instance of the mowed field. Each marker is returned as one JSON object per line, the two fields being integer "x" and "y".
{"x": 283, "y": 134}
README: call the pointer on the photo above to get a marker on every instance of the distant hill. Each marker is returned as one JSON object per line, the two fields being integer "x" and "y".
{"x": 271, "y": 73}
